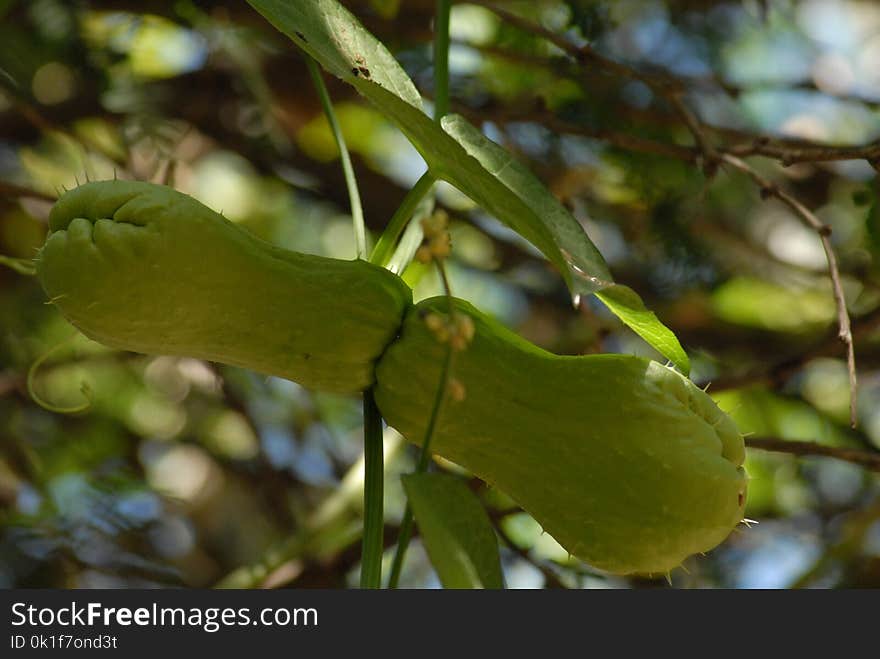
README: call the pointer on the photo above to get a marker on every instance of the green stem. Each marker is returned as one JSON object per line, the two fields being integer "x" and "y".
{"x": 441, "y": 59}
{"x": 357, "y": 212}
{"x": 46, "y": 405}
{"x": 403, "y": 537}
{"x": 383, "y": 249}
{"x": 21, "y": 266}
{"x": 441, "y": 108}
{"x": 406, "y": 525}
{"x": 374, "y": 474}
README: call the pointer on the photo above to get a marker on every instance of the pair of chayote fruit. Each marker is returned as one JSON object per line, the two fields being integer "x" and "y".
{"x": 628, "y": 464}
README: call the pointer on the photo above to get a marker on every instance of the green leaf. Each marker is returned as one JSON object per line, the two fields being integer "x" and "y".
{"x": 626, "y": 304}
{"x": 334, "y": 37}
{"x": 448, "y": 160}
{"x": 456, "y": 531}
{"x": 460, "y": 154}
{"x": 588, "y": 269}
{"x": 412, "y": 237}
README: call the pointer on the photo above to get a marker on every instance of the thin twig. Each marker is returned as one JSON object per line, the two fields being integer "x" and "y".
{"x": 778, "y": 372}
{"x": 844, "y": 334}
{"x": 665, "y": 86}
{"x": 618, "y": 139}
{"x": 791, "y": 154}
{"x": 550, "y": 577}
{"x": 703, "y": 83}
{"x": 695, "y": 126}
{"x": 583, "y": 53}
{"x": 866, "y": 459}
{"x": 671, "y": 88}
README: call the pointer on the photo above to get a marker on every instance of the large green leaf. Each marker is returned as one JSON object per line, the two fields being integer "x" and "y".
{"x": 588, "y": 268}
{"x": 333, "y": 36}
{"x": 626, "y": 304}
{"x": 460, "y": 154}
{"x": 456, "y": 531}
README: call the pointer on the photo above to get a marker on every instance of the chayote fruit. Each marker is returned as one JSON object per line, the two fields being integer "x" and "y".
{"x": 625, "y": 462}
{"x": 142, "y": 267}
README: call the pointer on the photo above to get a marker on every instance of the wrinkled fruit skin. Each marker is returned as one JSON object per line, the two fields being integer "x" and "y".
{"x": 142, "y": 267}
{"x": 625, "y": 462}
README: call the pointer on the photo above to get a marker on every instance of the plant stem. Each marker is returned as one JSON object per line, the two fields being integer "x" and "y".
{"x": 357, "y": 212}
{"x": 21, "y": 266}
{"x": 374, "y": 474}
{"x": 406, "y": 525}
{"x": 441, "y": 108}
{"x": 441, "y": 59}
{"x": 383, "y": 249}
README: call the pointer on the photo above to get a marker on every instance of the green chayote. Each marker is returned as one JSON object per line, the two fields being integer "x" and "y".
{"x": 624, "y": 461}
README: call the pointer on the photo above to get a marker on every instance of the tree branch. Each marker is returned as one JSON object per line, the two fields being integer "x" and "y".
{"x": 695, "y": 126}
{"x": 789, "y": 155}
{"x": 672, "y": 88}
{"x": 780, "y": 371}
{"x": 664, "y": 85}
{"x": 844, "y": 334}
{"x": 866, "y": 459}
{"x": 551, "y": 579}
{"x": 627, "y": 141}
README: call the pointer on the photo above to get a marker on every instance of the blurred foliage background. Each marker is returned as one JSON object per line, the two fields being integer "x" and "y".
{"x": 186, "y": 473}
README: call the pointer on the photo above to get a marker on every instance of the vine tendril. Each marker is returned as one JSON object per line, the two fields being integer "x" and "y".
{"x": 42, "y": 402}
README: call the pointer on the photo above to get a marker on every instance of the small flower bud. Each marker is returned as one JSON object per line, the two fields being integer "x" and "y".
{"x": 457, "y": 390}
